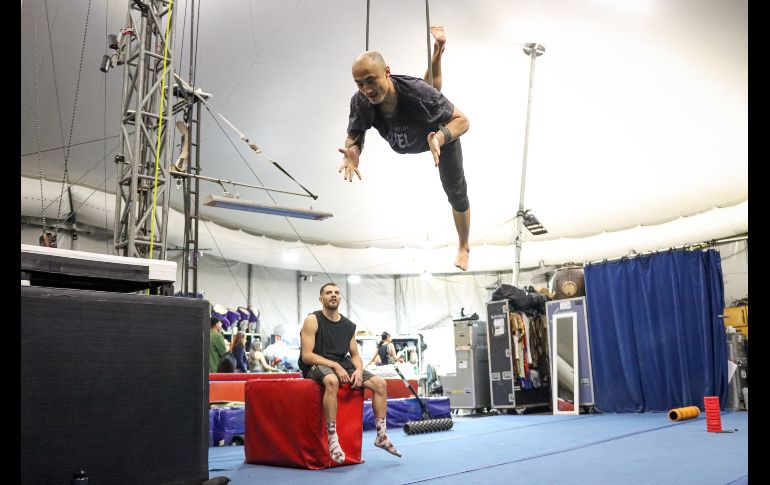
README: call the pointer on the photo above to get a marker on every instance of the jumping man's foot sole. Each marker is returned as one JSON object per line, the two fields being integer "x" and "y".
{"x": 461, "y": 261}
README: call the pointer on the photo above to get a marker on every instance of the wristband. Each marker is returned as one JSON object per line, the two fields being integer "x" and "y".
{"x": 359, "y": 140}
{"x": 447, "y": 134}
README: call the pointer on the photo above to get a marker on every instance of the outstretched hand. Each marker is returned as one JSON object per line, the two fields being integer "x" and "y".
{"x": 435, "y": 146}
{"x": 350, "y": 162}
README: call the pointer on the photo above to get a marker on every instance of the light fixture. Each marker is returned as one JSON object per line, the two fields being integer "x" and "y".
{"x": 305, "y": 277}
{"x": 112, "y": 41}
{"x": 354, "y": 279}
{"x": 532, "y": 224}
{"x": 106, "y": 64}
{"x": 251, "y": 206}
{"x": 290, "y": 257}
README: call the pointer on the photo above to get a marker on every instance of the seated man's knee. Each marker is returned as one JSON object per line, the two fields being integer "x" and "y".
{"x": 379, "y": 385}
{"x": 331, "y": 382}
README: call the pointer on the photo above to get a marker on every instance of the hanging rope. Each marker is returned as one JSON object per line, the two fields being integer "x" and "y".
{"x": 427, "y": 35}
{"x": 65, "y": 180}
{"x": 160, "y": 126}
{"x": 37, "y": 112}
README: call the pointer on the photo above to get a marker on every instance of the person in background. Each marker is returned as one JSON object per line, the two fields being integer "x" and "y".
{"x": 281, "y": 356}
{"x": 226, "y": 364}
{"x": 238, "y": 349}
{"x": 217, "y": 346}
{"x": 257, "y": 360}
{"x": 386, "y": 351}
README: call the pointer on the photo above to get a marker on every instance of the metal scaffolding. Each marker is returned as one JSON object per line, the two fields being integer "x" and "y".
{"x": 189, "y": 179}
{"x": 146, "y": 48}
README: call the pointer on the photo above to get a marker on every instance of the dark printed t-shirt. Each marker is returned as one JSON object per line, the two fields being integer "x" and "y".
{"x": 420, "y": 109}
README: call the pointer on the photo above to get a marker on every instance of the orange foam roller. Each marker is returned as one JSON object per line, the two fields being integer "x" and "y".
{"x": 687, "y": 412}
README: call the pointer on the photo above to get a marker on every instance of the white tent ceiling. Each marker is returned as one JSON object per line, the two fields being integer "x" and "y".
{"x": 639, "y": 118}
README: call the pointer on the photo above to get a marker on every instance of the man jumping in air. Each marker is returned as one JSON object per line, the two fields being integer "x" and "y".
{"x": 413, "y": 117}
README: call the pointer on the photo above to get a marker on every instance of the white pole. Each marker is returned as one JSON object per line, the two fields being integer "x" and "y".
{"x": 533, "y": 51}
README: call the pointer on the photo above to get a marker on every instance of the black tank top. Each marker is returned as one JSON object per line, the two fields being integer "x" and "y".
{"x": 332, "y": 339}
{"x": 383, "y": 351}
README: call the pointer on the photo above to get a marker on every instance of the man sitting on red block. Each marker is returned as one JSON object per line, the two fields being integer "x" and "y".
{"x": 325, "y": 341}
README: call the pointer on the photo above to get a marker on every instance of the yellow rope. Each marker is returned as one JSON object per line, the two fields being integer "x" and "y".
{"x": 160, "y": 129}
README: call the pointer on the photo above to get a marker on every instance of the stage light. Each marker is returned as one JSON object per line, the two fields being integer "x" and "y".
{"x": 106, "y": 64}
{"x": 112, "y": 41}
{"x": 532, "y": 224}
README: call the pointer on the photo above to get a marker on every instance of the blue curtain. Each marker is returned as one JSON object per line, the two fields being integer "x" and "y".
{"x": 657, "y": 338}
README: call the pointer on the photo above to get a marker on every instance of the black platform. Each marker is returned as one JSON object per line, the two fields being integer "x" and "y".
{"x": 63, "y": 268}
{"x": 115, "y": 384}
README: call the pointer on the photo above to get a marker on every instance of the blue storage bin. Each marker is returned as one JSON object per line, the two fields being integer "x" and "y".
{"x": 405, "y": 409}
{"x": 215, "y": 433}
{"x": 232, "y": 424}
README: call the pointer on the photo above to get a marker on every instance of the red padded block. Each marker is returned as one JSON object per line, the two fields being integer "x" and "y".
{"x": 245, "y": 376}
{"x": 285, "y": 425}
{"x": 229, "y": 386}
{"x": 396, "y": 388}
{"x": 226, "y": 391}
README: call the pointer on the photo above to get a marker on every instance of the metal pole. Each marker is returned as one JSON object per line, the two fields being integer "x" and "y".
{"x": 166, "y": 148}
{"x": 248, "y": 285}
{"x": 367, "y": 25}
{"x": 532, "y": 50}
{"x": 427, "y": 35}
{"x": 299, "y": 299}
{"x": 124, "y": 154}
{"x": 196, "y": 208}
{"x": 347, "y": 296}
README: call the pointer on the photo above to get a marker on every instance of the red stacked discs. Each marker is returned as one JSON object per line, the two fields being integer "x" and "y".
{"x": 713, "y": 418}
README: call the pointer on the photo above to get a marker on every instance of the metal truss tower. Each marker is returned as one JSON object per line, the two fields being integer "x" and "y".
{"x": 190, "y": 105}
{"x": 146, "y": 48}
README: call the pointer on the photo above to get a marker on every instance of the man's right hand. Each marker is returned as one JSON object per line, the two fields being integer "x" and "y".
{"x": 350, "y": 163}
{"x": 341, "y": 374}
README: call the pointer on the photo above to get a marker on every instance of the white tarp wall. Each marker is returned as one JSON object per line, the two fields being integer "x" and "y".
{"x": 405, "y": 304}
{"x": 95, "y": 208}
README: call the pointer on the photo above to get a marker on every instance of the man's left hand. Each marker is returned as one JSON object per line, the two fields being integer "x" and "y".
{"x": 435, "y": 145}
{"x": 357, "y": 379}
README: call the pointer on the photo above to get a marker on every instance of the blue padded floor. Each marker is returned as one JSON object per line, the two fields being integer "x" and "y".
{"x": 534, "y": 449}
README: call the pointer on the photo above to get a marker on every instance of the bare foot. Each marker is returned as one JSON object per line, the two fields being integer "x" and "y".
{"x": 461, "y": 261}
{"x": 438, "y": 33}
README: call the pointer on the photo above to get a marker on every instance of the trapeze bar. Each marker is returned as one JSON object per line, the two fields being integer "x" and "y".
{"x": 251, "y": 206}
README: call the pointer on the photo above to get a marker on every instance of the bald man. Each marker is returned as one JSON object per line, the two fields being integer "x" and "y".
{"x": 413, "y": 117}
